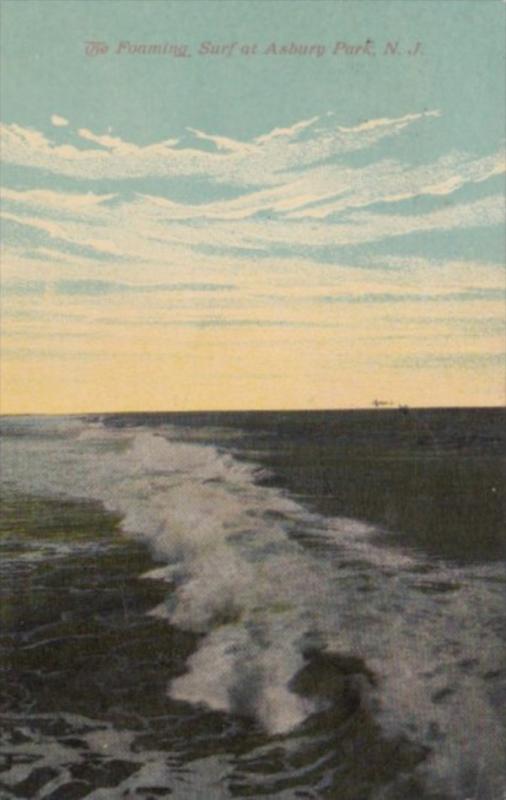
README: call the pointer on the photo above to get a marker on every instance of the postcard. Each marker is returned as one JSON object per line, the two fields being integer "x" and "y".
{"x": 253, "y": 400}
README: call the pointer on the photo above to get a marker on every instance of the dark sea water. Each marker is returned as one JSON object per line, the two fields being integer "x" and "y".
{"x": 261, "y": 605}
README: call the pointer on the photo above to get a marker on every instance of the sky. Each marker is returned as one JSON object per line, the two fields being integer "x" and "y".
{"x": 252, "y": 204}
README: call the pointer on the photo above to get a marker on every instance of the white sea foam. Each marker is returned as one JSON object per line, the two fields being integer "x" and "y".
{"x": 239, "y": 576}
{"x": 32, "y": 749}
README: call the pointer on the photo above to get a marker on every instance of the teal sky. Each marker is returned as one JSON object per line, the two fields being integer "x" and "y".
{"x": 461, "y": 70}
{"x": 155, "y": 207}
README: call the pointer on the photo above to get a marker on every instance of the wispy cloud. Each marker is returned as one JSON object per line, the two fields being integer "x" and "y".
{"x": 47, "y": 200}
{"x": 73, "y": 287}
{"x": 300, "y": 198}
{"x": 301, "y": 203}
{"x": 59, "y": 122}
{"x": 138, "y": 229}
{"x": 260, "y": 161}
{"x": 70, "y": 233}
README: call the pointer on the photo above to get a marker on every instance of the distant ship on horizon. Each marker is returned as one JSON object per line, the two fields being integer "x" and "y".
{"x": 380, "y": 403}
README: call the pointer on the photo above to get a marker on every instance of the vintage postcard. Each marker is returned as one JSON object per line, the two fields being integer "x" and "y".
{"x": 253, "y": 427}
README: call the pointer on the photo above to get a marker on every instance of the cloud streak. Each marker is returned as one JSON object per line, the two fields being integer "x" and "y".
{"x": 261, "y": 161}
{"x": 59, "y": 122}
{"x": 301, "y": 203}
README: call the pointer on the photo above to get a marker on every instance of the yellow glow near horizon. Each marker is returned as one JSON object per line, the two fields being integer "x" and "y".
{"x": 342, "y": 358}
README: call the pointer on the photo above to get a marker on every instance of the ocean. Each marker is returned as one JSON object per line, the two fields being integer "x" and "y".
{"x": 254, "y": 605}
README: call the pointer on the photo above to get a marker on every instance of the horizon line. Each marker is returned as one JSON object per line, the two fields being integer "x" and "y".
{"x": 351, "y": 409}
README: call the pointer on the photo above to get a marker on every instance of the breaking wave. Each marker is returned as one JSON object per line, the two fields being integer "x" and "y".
{"x": 265, "y": 584}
